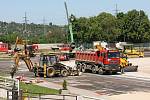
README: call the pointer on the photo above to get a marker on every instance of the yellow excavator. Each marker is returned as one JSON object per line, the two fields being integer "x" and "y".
{"x": 124, "y": 63}
{"x": 21, "y": 54}
{"x": 131, "y": 51}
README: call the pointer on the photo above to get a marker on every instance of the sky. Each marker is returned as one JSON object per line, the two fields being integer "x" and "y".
{"x": 54, "y": 10}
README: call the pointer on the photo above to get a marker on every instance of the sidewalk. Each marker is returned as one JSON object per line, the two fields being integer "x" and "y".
{"x": 83, "y": 94}
{"x": 3, "y": 93}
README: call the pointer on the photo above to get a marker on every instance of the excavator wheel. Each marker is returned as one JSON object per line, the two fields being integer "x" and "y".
{"x": 64, "y": 72}
{"x": 50, "y": 71}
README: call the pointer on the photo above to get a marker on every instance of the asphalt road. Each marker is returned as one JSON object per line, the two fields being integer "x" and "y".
{"x": 105, "y": 84}
{"x": 5, "y": 67}
{"x": 101, "y": 84}
{"x": 146, "y": 53}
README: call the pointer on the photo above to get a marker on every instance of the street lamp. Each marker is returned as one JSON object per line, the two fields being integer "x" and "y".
{"x": 14, "y": 88}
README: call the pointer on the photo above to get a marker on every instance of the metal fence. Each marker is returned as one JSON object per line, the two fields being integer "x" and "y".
{"x": 12, "y": 95}
{"x": 37, "y": 96}
{"x": 6, "y": 83}
{"x": 145, "y": 46}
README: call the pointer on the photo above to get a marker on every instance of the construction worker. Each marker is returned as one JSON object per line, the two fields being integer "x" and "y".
{"x": 35, "y": 68}
{"x": 125, "y": 59}
{"x": 122, "y": 70}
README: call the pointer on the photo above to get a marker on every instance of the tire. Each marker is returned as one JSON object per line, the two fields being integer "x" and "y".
{"x": 64, "y": 73}
{"x": 110, "y": 72}
{"x": 50, "y": 72}
{"x": 83, "y": 68}
{"x": 100, "y": 71}
{"x": 94, "y": 70}
{"x": 79, "y": 67}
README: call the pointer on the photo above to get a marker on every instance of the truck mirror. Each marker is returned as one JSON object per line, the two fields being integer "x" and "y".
{"x": 72, "y": 45}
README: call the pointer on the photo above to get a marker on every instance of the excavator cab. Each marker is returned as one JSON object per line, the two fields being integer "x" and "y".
{"x": 53, "y": 66}
{"x": 48, "y": 60}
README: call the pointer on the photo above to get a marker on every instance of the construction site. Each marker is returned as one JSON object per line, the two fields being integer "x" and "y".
{"x": 98, "y": 69}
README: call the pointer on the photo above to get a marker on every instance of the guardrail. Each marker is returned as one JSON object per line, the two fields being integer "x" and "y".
{"x": 40, "y": 96}
{"x": 6, "y": 83}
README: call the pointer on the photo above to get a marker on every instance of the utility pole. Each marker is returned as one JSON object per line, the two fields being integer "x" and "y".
{"x": 25, "y": 25}
{"x": 44, "y": 28}
{"x": 7, "y": 26}
{"x": 116, "y": 10}
{"x": 69, "y": 23}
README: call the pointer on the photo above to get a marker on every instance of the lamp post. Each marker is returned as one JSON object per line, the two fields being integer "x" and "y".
{"x": 14, "y": 88}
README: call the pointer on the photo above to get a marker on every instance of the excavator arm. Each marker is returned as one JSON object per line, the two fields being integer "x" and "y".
{"x": 23, "y": 55}
{"x": 26, "y": 59}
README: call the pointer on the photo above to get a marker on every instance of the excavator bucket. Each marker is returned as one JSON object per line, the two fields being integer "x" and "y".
{"x": 131, "y": 69}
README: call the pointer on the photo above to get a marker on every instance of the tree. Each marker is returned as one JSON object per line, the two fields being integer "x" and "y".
{"x": 134, "y": 25}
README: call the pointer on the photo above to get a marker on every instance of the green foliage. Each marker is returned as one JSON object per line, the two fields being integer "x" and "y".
{"x": 37, "y": 89}
{"x": 133, "y": 26}
{"x": 35, "y": 33}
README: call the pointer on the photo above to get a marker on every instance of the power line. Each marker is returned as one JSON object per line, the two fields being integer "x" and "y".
{"x": 116, "y": 10}
{"x": 25, "y": 24}
{"x": 44, "y": 27}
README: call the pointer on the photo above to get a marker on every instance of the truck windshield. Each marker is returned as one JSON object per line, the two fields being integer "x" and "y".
{"x": 113, "y": 55}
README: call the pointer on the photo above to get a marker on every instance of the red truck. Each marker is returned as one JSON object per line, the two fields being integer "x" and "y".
{"x": 101, "y": 61}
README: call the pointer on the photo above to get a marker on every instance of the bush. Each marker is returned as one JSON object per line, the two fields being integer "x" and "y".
{"x": 65, "y": 85}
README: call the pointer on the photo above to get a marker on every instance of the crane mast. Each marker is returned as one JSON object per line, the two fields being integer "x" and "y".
{"x": 69, "y": 23}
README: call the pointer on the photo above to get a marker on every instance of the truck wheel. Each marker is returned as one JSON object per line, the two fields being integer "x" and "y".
{"x": 83, "y": 68}
{"x": 64, "y": 72}
{"x": 100, "y": 71}
{"x": 50, "y": 71}
{"x": 79, "y": 67}
{"x": 93, "y": 70}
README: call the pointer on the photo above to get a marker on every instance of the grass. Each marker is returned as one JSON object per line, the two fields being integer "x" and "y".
{"x": 2, "y": 98}
{"x": 4, "y": 74}
{"x": 35, "y": 89}
{"x": 3, "y": 78}
{"x": 4, "y": 57}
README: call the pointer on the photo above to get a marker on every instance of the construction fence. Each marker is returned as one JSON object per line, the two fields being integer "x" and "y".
{"x": 145, "y": 46}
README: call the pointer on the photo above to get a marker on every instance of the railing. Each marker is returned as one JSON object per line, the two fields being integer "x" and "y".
{"x": 6, "y": 83}
{"x": 38, "y": 96}
{"x": 41, "y": 96}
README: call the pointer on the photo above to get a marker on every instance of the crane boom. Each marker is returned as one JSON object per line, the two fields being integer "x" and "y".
{"x": 69, "y": 23}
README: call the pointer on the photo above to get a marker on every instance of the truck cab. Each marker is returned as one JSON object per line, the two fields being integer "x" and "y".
{"x": 110, "y": 59}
